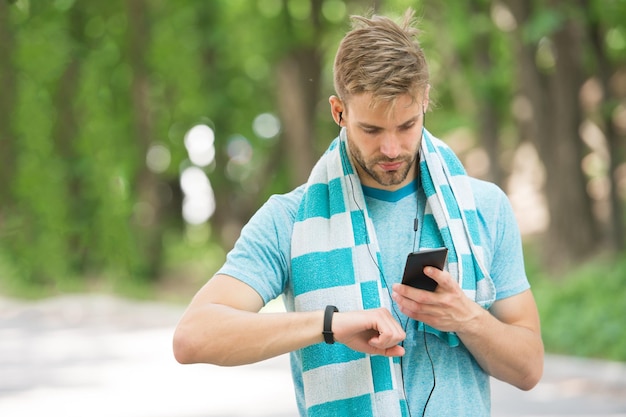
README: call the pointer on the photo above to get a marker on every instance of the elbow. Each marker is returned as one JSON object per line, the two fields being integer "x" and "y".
{"x": 189, "y": 349}
{"x": 533, "y": 369}
{"x": 183, "y": 349}
{"x": 180, "y": 347}
{"x": 530, "y": 381}
{"x": 532, "y": 376}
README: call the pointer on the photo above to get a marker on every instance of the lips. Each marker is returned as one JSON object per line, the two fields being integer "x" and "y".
{"x": 391, "y": 166}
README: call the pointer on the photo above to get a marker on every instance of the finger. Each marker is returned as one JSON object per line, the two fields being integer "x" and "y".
{"x": 387, "y": 339}
{"x": 389, "y": 332}
{"x": 394, "y": 351}
{"x": 409, "y": 297}
{"x": 415, "y": 303}
{"x": 416, "y": 311}
{"x": 443, "y": 278}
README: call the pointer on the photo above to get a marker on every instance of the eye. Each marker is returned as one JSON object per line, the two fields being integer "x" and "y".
{"x": 371, "y": 130}
{"x": 407, "y": 126}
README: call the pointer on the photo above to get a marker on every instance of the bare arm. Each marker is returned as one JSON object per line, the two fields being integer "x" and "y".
{"x": 222, "y": 326}
{"x": 506, "y": 341}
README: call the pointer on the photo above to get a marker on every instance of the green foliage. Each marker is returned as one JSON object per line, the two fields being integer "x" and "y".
{"x": 543, "y": 24}
{"x": 582, "y": 313}
{"x": 74, "y": 214}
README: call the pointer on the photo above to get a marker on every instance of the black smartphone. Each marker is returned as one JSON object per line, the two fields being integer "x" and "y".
{"x": 415, "y": 264}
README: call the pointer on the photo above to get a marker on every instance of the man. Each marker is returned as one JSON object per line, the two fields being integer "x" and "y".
{"x": 361, "y": 343}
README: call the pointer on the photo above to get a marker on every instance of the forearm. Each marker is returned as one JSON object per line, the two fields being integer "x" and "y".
{"x": 509, "y": 352}
{"x": 506, "y": 340}
{"x": 223, "y": 326}
{"x": 222, "y": 335}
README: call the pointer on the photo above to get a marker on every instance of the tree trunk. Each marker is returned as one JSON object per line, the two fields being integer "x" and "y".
{"x": 66, "y": 130}
{"x": 147, "y": 221}
{"x": 8, "y": 79}
{"x": 615, "y": 228}
{"x": 571, "y": 235}
{"x": 489, "y": 126}
{"x": 572, "y": 224}
{"x": 298, "y": 79}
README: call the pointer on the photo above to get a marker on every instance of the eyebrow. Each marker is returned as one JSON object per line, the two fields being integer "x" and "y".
{"x": 404, "y": 124}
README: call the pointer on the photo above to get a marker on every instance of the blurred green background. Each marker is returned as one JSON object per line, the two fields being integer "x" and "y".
{"x": 137, "y": 137}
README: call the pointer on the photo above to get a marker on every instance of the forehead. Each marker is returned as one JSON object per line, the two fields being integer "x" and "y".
{"x": 365, "y": 108}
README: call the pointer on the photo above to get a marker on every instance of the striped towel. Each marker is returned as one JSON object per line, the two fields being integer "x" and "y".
{"x": 332, "y": 245}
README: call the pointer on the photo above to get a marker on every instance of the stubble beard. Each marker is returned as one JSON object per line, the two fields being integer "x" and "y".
{"x": 384, "y": 178}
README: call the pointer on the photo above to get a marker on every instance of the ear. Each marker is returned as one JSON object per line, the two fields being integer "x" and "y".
{"x": 426, "y": 99}
{"x": 336, "y": 109}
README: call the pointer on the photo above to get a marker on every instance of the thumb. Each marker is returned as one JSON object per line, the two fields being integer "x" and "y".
{"x": 396, "y": 350}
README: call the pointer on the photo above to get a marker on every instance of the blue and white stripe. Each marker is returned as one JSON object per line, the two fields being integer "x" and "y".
{"x": 332, "y": 246}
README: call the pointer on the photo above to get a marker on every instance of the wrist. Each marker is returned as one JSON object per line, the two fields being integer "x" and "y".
{"x": 476, "y": 322}
{"x": 327, "y": 330}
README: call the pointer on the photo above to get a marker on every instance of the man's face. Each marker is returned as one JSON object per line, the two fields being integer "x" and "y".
{"x": 384, "y": 142}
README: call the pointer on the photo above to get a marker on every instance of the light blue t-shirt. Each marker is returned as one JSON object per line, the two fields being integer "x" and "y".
{"x": 261, "y": 258}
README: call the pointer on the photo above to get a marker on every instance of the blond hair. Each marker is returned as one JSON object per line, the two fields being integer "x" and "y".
{"x": 381, "y": 57}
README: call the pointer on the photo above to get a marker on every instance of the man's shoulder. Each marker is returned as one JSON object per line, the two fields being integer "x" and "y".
{"x": 286, "y": 203}
{"x": 483, "y": 186}
{"x": 486, "y": 192}
{"x": 290, "y": 198}
{"x": 492, "y": 203}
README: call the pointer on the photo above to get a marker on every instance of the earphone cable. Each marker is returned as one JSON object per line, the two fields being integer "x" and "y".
{"x": 382, "y": 276}
{"x": 432, "y": 367}
{"x": 395, "y": 312}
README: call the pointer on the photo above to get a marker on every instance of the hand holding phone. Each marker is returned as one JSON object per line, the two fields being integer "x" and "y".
{"x": 416, "y": 262}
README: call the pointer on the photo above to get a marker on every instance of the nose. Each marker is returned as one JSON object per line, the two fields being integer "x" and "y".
{"x": 390, "y": 146}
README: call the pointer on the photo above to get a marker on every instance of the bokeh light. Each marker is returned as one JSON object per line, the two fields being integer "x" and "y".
{"x": 269, "y": 8}
{"x": 239, "y": 150}
{"x": 200, "y": 141}
{"x": 299, "y": 10}
{"x": 334, "y": 10}
{"x": 266, "y": 125}
{"x": 199, "y": 200}
{"x": 158, "y": 158}
{"x": 257, "y": 67}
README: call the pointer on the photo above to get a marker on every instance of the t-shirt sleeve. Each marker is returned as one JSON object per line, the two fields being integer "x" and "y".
{"x": 260, "y": 257}
{"x": 507, "y": 258}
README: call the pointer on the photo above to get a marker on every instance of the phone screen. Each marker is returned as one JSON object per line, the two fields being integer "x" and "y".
{"x": 415, "y": 264}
